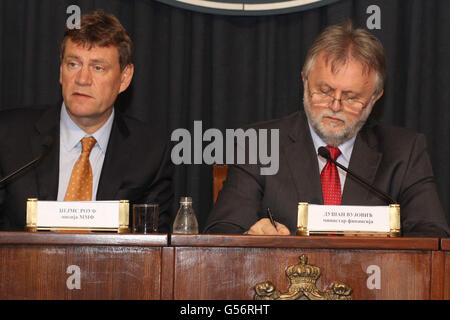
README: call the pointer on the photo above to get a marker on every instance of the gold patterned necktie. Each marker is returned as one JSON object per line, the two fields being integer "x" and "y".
{"x": 80, "y": 184}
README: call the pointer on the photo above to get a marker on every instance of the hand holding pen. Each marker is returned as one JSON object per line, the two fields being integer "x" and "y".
{"x": 269, "y": 213}
{"x": 268, "y": 226}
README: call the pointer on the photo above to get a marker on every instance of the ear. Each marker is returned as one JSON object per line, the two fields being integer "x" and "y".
{"x": 378, "y": 96}
{"x": 303, "y": 77}
{"x": 126, "y": 76}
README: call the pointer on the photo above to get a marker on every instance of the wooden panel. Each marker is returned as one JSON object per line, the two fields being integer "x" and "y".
{"x": 108, "y": 266}
{"x": 445, "y": 246}
{"x": 446, "y": 276}
{"x": 437, "y": 275}
{"x": 304, "y": 242}
{"x": 64, "y": 238}
{"x": 167, "y": 269}
{"x": 231, "y": 273}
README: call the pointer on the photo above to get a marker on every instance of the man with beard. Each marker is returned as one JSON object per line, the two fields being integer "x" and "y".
{"x": 343, "y": 77}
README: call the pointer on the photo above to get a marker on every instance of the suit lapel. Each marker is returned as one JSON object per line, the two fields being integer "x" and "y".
{"x": 116, "y": 160}
{"x": 47, "y": 169}
{"x": 364, "y": 162}
{"x": 302, "y": 162}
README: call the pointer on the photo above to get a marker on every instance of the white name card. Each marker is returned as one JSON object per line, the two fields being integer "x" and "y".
{"x": 348, "y": 219}
{"x": 77, "y": 215}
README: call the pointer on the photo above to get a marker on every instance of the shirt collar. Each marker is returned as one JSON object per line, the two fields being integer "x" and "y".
{"x": 346, "y": 147}
{"x": 71, "y": 134}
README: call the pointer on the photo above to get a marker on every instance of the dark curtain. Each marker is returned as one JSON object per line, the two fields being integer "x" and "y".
{"x": 228, "y": 71}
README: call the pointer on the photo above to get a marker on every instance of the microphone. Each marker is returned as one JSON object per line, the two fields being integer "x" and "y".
{"x": 323, "y": 152}
{"x": 46, "y": 143}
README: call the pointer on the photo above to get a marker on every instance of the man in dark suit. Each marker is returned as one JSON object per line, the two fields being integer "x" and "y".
{"x": 343, "y": 77}
{"x": 129, "y": 160}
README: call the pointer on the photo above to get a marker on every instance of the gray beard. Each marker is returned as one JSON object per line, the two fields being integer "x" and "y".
{"x": 346, "y": 133}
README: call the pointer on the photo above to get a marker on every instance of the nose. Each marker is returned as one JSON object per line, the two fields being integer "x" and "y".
{"x": 84, "y": 76}
{"x": 336, "y": 104}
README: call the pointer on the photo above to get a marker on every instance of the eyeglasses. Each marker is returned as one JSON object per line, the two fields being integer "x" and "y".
{"x": 323, "y": 99}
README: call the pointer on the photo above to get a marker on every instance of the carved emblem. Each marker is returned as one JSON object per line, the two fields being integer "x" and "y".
{"x": 302, "y": 285}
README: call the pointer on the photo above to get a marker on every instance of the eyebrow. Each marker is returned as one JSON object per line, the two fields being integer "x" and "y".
{"x": 90, "y": 61}
{"x": 71, "y": 57}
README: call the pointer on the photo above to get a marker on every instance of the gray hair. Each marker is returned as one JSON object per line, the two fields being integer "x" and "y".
{"x": 341, "y": 41}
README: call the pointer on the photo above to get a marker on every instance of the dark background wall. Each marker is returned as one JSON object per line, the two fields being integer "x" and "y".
{"x": 229, "y": 71}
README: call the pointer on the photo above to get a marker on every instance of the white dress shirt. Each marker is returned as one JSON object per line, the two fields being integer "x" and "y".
{"x": 70, "y": 151}
{"x": 344, "y": 159}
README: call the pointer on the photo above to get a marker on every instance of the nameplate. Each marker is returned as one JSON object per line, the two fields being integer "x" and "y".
{"x": 326, "y": 219}
{"x": 78, "y": 215}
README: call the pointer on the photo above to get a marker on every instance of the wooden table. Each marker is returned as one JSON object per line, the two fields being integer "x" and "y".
{"x": 80, "y": 266}
{"x": 158, "y": 266}
{"x": 228, "y": 267}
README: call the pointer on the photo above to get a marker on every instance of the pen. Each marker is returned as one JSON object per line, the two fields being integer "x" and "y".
{"x": 269, "y": 213}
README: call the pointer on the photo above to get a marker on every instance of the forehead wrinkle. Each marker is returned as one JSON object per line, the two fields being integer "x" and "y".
{"x": 321, "y": 63}
{"x": 342, "y": 59}
{"x": 82, "y": 53}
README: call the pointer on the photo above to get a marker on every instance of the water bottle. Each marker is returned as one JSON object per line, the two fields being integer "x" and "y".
{"x": 185, "y": 221}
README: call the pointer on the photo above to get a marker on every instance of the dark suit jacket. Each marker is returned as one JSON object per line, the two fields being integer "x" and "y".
{"x": 394, "y": 160}
{"x": 137, "y": 164}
